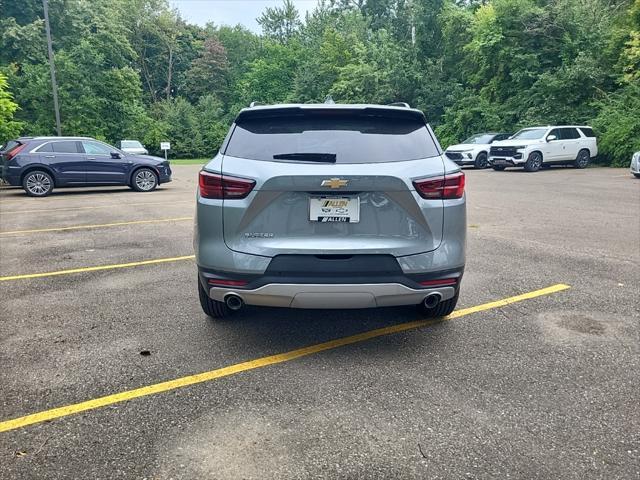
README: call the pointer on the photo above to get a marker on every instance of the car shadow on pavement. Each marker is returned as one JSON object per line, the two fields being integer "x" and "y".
{"x": 16, "y": 193}
{"x": 553, "y": 168}
{"x": 278, "y": 330}
{"x": 101, "y": 190}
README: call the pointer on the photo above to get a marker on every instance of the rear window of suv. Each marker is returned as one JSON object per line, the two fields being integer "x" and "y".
{"x": 352, "y": 138}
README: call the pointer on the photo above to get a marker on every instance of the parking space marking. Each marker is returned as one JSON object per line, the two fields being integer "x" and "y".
{"x": 108, "y": 205}
{"x": 182, "y": 382}
{"x": 103, "y": 225}
{"x": 96, "y": 268}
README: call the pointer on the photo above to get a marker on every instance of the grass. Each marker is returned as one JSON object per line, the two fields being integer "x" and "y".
{"x": 189, "y": 161}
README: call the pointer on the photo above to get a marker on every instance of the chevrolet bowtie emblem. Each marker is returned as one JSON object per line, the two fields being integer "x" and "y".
{"x": 334, "y": 183}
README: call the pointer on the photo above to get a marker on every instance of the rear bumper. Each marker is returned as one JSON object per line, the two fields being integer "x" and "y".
{"x": 12, "y": 180}
{"x": 10, "y": 175}
{"x": 331, "y": 296}
{"x": 304, "y": 286}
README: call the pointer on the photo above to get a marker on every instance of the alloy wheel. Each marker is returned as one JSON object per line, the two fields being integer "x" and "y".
{"x": 38, "y": 184}
{"x": 145, "y": 180}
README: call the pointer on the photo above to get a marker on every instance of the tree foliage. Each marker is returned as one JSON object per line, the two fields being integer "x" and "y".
{"x": 280, "y": 23}
{"x": 135, "y": 68}
{"x": 208, "y": 72}
{"x": 8, "y": 126}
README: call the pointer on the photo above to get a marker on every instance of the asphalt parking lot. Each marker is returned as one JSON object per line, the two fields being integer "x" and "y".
{"x": 543, "y": 386}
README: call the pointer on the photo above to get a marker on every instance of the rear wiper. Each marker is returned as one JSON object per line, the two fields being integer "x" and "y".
{"x": 307, "y": 157}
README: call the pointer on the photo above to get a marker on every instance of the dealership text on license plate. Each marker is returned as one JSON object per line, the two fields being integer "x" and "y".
{"x": 334, "y": 209}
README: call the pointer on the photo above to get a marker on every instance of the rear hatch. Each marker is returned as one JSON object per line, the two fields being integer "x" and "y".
{"x": 6, "y": 155}
{"x": 332, "y": 181}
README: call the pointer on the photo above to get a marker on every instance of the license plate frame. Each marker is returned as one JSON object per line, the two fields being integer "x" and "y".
{"x": 341, "y": 209}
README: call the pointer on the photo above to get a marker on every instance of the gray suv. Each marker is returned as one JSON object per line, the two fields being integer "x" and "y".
{"x": 330, "y": 206}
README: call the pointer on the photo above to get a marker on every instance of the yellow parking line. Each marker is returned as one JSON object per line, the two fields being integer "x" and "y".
{"x": 81, "y": 227}
{"x": 67, "y": 410}
{"x": 96, "y": 268}
{"x": 109, "y": 205}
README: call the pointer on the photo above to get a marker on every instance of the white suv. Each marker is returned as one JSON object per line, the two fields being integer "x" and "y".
{"x": 635, "y": 164}
{"x": 475, "y": 149}
{"x": 536, "y": 147}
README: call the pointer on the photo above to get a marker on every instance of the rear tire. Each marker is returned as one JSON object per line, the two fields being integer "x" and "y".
{"x": 498, "y": 168}
{"x": 582, "y": 160}
{"x": 442, "y": 309}
{"x": 37, "y": 183}
{"x": 637, "y": 175}
{"x": 534, "y": 162}
{"x": 210, "y": 307}
{"x": 481, "y": 161}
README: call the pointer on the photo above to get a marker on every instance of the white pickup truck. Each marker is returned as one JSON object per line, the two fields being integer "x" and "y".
{"x": 533, "y": 148}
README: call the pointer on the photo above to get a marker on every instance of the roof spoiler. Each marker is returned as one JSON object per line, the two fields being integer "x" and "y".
{"x": 301, "y": 110}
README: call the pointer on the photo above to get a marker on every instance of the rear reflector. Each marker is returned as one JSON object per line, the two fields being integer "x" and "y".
{"x": 12, "y": 153}
{"x": 441, "y": 282}
{"x": 214, "y": 185}
{"x": 444, "y": 187}
{"x": 226, "y": 283}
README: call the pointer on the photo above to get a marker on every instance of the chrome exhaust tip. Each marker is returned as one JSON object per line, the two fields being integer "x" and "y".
{"x": 233, "y": 301}
{"x": 432, "y": 300}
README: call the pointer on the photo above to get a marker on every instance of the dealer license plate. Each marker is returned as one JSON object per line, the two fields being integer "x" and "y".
{"x": 334, "y": 209}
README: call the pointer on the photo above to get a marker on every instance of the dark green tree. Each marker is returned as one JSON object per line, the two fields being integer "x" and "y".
{"x": 280, "y": 23}
{"x": 9, "y": 128}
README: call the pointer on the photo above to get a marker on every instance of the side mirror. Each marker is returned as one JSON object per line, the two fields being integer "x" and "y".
{"x": 551, "y": 137}
{"x": 115, "y": 155}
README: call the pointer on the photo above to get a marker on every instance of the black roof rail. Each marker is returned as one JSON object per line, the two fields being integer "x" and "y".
{"x": 399, "y": 104}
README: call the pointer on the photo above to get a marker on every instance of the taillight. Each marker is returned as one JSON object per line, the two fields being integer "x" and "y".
{"x": 213, "y": 185}
{"x": 443, "y": 187}
{"x": 12, "y": 153}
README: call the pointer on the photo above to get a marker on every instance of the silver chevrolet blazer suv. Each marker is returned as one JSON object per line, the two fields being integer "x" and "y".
{"x": 330, "y": 206}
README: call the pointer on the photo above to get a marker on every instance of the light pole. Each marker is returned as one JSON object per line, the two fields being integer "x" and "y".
{"x": 54, "y": 85}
